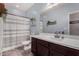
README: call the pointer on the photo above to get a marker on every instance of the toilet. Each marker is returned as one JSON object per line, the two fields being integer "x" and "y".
{"x": 27, "y": 45}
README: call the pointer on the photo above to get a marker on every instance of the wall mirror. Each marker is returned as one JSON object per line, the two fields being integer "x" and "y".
{"x": 65, "y": 17}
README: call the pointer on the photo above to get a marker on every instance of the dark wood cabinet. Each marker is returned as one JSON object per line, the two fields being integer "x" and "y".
{"x": 55, "y": 48}
{"x": 43, "y": 43}
{"x": 44, "y": 48}
{"x": 72, "y": 52}
{"x": 34, "y": 46}
{"x": 55, "y": 53}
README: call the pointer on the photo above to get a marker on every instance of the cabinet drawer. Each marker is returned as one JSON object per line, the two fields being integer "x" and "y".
{"x": 44, "y": 43}
{"x": 58, "y": 48}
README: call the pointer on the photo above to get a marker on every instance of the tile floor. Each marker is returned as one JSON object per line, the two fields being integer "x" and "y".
{"x": 18, "y": 52}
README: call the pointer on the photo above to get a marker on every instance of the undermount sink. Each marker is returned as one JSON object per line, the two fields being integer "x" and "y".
{"x": 71, "y": 41}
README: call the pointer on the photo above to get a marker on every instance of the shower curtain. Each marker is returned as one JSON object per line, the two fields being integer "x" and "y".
{"x": 16, "y": 30}
{"x": 1, "y": 34}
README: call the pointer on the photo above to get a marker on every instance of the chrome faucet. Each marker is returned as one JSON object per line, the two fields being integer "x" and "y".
{"x": 57, "y": 35}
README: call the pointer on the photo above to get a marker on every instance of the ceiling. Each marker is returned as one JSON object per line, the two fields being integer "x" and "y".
{"x": 19, "y": 6}
{"x": 28, "y": 8}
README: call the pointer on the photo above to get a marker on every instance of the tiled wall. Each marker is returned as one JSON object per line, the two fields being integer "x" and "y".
{"x": 16, "y": 30}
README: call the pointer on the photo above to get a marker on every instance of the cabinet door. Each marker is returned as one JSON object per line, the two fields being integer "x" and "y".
{"x": 72, "y": 52}
{"x": 55, "y": 53}
{"x": 44, "y": 43}
{"x": 58, "y": 48}
{"x": 33, "y": 46}
{"x": 42, "y": 50}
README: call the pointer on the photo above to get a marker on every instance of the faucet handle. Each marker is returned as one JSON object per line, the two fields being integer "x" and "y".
{"x": 63, "y": 32}
{"x": 56, "y": 32}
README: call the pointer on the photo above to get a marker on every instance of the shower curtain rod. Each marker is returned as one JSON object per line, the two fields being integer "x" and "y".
{"x": 18, "y": 15}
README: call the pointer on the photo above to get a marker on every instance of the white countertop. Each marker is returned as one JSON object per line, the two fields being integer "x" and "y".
{"x": 68, "y": 42}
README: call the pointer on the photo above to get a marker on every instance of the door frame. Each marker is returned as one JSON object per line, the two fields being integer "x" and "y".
{"x": 73, "y": 12}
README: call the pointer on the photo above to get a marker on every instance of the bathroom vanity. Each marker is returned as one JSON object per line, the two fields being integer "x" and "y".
{"x": 44, "y": 45}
